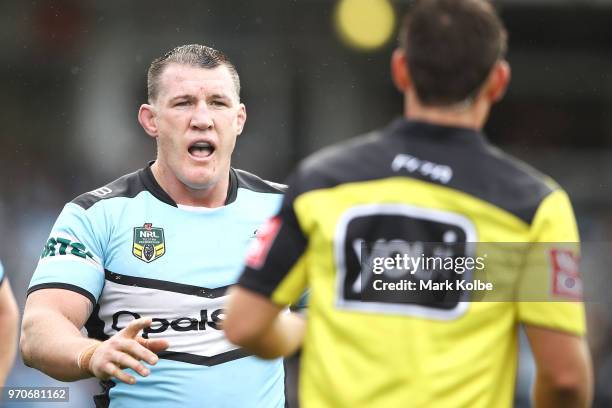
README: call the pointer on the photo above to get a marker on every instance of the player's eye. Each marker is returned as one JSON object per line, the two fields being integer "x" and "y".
{"x": 181, "y": 103}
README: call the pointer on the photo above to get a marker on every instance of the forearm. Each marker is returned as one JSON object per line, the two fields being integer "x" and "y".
{"x": 52, "y": 344}
{"x": 547, "y": 394}
{"x": 282, "y": 338}
{"x": 564, "y": 376}
{"x": 8, "y": 328}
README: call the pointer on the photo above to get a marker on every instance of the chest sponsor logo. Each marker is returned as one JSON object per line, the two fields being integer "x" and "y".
{"x": 179, "y": 324}
{"x": 149, "y": 243}
{"x": 386, "y": 231}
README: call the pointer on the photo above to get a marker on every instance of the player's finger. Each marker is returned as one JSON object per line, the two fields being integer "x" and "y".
{"x": 135, "y": 326}
{"x": 124, "y": 360}
{"x": 155, "y": 345}
{"x": 113, "y": 371}
{"x": 137, "y": 351}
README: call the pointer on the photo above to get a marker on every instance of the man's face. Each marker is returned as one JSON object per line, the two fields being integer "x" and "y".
{"x": 198, "y": 117}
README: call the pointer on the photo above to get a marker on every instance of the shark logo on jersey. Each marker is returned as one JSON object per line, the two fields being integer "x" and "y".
{"x": 149, "y": 243}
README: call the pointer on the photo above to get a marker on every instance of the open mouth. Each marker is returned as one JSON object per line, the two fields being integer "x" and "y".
{"x": 201, "y": 149}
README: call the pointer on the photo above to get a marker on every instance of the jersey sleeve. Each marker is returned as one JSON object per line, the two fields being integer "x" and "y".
{"x": 72, "y": 257}
{"x": 275, "y": 264}
{"x": 550, "y": 288}
{"x": 1, "y": 273}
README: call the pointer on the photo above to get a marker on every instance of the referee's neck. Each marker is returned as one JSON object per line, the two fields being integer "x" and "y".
{"x": 472, "y": 117}
{"x": 470, "y": 114}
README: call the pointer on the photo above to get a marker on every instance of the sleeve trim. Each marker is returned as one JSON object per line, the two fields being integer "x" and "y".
{"x": 66, "y": 286}
{"x": 578, "y": 332}
{"x": 254, "y": 285}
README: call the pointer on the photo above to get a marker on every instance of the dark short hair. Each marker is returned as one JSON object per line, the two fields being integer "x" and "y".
{"x": 451, "y": 46}
{"x": 194, "y": 55}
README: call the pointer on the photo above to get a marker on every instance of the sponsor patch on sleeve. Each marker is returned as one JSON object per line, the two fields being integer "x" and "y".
{"x": 258, "y": 251}
{"x": 566, "y": 277}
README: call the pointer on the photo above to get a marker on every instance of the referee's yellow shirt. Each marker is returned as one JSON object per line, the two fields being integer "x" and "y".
{"x": 411, "y": 181}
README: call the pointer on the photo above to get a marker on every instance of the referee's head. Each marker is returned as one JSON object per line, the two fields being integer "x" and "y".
{"x": 451, "y": 53}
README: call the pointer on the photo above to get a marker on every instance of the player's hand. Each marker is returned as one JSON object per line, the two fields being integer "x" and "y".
{"x": 126, "y": 349}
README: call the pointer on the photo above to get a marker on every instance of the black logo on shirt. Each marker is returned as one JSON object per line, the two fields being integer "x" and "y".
{"x": 386, "y": 231}
{"x": 179, "y": 324}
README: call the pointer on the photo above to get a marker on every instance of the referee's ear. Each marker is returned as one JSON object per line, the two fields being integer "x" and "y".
{"x": 146, "y": 117}
{"x": 399, "y": 70}
{"x": 498, "y": 81}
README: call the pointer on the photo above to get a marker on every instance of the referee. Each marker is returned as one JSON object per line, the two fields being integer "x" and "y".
{"x": 430, "y": 177}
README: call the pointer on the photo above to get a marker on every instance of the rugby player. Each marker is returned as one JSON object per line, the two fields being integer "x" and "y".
{"x": 430, "y": 177}
{"x": 143, "y": 263}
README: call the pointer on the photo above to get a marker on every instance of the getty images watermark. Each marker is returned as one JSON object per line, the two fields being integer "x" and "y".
{"x": 442, "y": 274}
{"x": 430, "y": 264}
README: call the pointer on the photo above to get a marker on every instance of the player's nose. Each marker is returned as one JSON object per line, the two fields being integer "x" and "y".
{"x": 202, "y": 118}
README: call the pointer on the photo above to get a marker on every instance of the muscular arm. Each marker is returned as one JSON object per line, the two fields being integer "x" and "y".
{"x": 564, "y": 375}
{"x": 50, "y": 333}
{"x": 256, "y": 324}
{"x": 9, "y": 319}
{"x": 51, "y": 340}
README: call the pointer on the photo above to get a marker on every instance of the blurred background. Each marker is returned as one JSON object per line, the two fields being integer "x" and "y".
{"x": 314, "y": 72}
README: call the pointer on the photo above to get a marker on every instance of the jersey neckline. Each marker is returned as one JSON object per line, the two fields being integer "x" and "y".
{"x": 151, "y": 184}
{"x": 433, "y": 133}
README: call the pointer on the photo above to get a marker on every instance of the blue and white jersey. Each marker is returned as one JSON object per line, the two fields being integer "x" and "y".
{"x": 1, "y": 273}
{"x": 131, "y": 250}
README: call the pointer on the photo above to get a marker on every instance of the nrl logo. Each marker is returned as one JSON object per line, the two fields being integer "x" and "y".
{"x": 149, "y": 243}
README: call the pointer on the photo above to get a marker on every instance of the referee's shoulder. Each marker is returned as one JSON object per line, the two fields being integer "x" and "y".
{"x": 342, "y": 161}
{"x": 525, "y": 186}
{"x": 525, "y": 174}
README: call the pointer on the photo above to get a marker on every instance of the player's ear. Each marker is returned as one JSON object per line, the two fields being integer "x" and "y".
{"x": 399, "y": 70}
{"x": 498, "y": 81}
{"x": 241, "y": 118}
{"x": 147, "y": 119}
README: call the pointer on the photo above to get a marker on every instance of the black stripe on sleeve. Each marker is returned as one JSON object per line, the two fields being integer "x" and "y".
{"x": 66, "y": 286}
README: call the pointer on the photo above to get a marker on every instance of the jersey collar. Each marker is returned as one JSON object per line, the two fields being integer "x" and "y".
{"x": 432, "y": 133}
{"x": 146, "y": 175}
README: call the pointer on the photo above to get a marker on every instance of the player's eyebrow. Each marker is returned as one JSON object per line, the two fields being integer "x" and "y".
{"x": 218, "y": 95}
{"x": 183, "y": 96}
